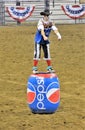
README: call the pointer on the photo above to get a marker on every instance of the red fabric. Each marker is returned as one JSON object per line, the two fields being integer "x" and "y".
{"x": 49, "y": 62}
{"x": 35, "y": 62}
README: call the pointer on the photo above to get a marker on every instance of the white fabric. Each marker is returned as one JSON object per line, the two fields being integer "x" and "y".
{"x": 59, "y": 36}
{"x": 41, "y": 27}
{"x": 54, "y": 28}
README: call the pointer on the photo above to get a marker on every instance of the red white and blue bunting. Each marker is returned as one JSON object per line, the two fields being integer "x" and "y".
{"x": 20, "y": 13}
{"x": 74, "y": 11}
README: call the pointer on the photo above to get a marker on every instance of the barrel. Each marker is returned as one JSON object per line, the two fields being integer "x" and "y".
{"x": 43, "y": 93}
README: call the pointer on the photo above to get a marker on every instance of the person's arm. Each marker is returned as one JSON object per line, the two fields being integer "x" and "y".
{"x": 55, "y": 29}
{"x": 43, "y": 34}
{"x": 58, "y": 34}
{"x": 41, "y": 28}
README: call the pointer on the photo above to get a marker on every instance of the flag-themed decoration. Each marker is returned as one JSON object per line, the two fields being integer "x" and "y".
{"x": 74, "y": 11}
{"x": 20, "y": 13}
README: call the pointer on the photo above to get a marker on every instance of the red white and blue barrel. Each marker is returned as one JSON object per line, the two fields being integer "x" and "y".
{"x": 43, "y": 93}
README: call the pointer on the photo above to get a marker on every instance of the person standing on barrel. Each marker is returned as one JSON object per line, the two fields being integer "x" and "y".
{"x": 44, "y": 27}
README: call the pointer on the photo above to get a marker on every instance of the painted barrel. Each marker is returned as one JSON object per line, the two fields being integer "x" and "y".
{"x": 43, "y": 93}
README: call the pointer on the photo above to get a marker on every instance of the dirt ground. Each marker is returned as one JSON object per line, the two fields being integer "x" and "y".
{"x": 16, "y": 60}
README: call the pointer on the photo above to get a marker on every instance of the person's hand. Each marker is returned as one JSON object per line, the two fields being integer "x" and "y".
{"x": 59, "y": 36}
{"x": 45, "y": 38}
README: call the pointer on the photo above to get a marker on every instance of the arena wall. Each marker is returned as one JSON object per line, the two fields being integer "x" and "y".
{"x": 58, "y": 15}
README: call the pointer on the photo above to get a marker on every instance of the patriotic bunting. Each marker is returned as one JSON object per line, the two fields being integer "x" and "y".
{"x": 20, "y": 13}
{"x": 74, "y": 11}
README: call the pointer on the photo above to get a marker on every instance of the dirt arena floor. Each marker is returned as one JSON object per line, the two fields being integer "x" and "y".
{"x": 16, "y": 60}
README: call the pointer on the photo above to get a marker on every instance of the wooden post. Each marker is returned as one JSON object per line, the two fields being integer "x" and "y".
{"x": 47, "y": 4}
{"x": 18, "y": 4}
{"x": 53, "y": 3}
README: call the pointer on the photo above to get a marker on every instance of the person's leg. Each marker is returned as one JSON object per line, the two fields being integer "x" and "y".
{"x": 47, "y": 57}
{"x": 37, "y": 51}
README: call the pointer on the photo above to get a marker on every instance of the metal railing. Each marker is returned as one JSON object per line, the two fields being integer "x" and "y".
{"x": 58, "y": 15}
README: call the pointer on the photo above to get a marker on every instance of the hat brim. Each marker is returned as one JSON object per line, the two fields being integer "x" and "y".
{"x": 44, "y": 13}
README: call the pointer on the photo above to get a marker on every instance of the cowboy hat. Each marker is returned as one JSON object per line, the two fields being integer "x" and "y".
{"x": 45, "y": 12}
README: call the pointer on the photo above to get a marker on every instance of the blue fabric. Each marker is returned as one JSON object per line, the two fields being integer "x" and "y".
{"x": 38, "y": 37}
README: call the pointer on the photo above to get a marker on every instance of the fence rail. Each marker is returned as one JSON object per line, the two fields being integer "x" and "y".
{"x": 57, "y": 13}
